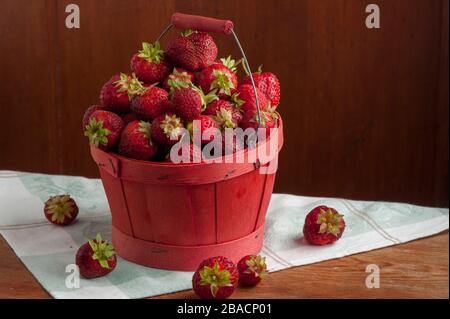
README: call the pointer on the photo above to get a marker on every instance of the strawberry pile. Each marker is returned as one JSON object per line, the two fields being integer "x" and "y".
{"x": 143, "y": 113}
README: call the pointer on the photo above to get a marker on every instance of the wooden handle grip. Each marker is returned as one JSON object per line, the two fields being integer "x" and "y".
{"x": 187, "y": 21}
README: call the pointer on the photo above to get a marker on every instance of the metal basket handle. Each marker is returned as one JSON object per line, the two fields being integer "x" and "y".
{"x": 207, "y": 24}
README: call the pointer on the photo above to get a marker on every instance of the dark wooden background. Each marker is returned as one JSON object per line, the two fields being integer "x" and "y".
{"x": 365, "y": 111}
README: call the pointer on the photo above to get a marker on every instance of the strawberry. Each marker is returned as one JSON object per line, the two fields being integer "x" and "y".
{"x": 150, "y": 104}
{"x": 128, "y": 117}
{"x": 205, "y": 125}
{"x": 61, "y": 210}
{"x": 268, "y": 120}
{"x": 189, "y": 101}
{"x": 89, "y": 112}
{"x": 268, "y": 84}
{"x": 192, "y": 50}
{"x": 220, "y": 76}
{"x": 178, "y": 77}
{"x": 136, "y": 141}
{"x": 117, "y": 93}
{"x": 215, "y": 278}
{"x": 104, "y": 129}
{"x": 251, "y": 270}
{"x": 195, "y": 154}
{"x": 323, "y": 226}
{"x": 167, "y": 129}
{"x": 96, "y": 258}
{"x": 149, "y": 64}
{"x": 245, "y": 96}
{"x": 225, "y": 113}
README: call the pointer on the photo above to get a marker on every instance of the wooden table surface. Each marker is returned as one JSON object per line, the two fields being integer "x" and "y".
{"x": 418, "y": 269}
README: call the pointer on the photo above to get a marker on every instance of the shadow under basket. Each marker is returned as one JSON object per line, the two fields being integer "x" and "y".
{"x": 173, "y": 216}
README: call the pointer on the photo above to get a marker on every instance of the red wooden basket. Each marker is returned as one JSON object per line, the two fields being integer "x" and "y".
{"x": 173, "y": 216}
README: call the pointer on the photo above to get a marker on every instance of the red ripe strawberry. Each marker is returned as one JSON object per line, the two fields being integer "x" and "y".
{"x": 178, "y": 77}
{"x": 167, "y": 129}
{"x": 104, "y": 129}
{"x": 251, "y": 270}
{"x": 89, "y": 112}
{"x": 188, "y": 102}
{"x": 61, "y": 210}
{"x": 268, "y": 84}
{"x": 215, "y": 278}
{"x": 225, "y": 113}
{"x": 245, "y": 96}
{"x": 204, "y": 124}
{"x": 150, "y": 104}
{"x": 129, "y": 117}
{"x": 192, "y": 50}
{"x": 323, "y": 226}
{"x": 268, "y": 120}
{"x": 220, "y": 76}
{"x": 136, "y": 141}
{"x": 149, "y": 64}
{"x": 195, "y": 154}
{"x": 96, "y": 258}
{"x": 117, "y": 93}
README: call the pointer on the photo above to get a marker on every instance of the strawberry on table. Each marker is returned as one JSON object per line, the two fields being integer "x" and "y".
{"x": 149, "y": 64}
{"x": 61, "y": 210}
{"x": 104, "y": 129}
{"x": 150, "y": 104}
{"x": 323, "y": 226}
{"x": 96, "y": 258}
{"x": 205, "y": 125}
{"x": 167, "y": 129}
{"x": 220, "y": 76}
{"x": 136, "y": 141}
{"x": 215, "y": 278}
{"x": 117, "y": 93}
{"x": 251, "y": 270}
{"x": 226, "y": 114}
{"x": 189, "y": 101}
{"x": 192, "y": 50}
{"x": 179, "y": 76}
{"x": 268, "y": 84}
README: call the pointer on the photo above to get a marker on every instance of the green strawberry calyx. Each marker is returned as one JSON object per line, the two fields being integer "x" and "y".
{"x": 222, "y": 82}
{"x": 171, "y": 126}
{"x": 215, "y": 277}
{"x": 256, "y": 265}
{"x": 96, "y": 133}
{"x": 231, "y": 63}
{"x": 247, "y": 71}
{"x": 187, "y": 32}
{"x": 237, "y": 101}
{"x": 60, "y": 207}
{"x": 206, "y": 98}
{"x": 224, "y": 118}
{"x": 151, "y": 52}
{"x": 102, "y": 250}
{"x": 130, "y": 84}
{"x": 182, "y": 77}
{"x": 145, "y": 128}
{"x": 330, "y": 222}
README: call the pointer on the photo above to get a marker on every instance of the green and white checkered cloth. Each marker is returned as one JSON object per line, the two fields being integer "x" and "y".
{"x": 46, "y": 249}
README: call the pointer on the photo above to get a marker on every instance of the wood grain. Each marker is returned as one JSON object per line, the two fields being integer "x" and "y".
{"x": 418, "y": 269}
{"x": 365, "y": 111}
